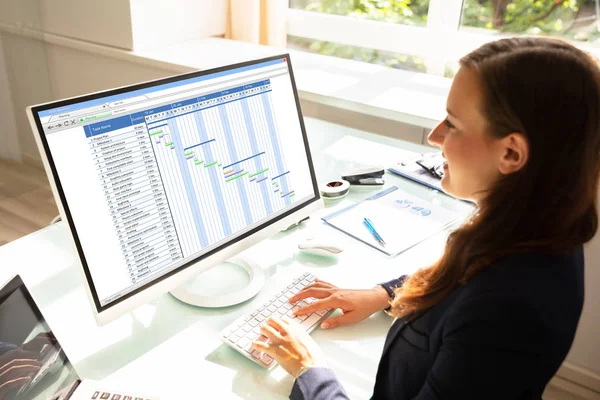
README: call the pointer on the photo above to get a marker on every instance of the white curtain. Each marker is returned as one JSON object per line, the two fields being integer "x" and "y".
{"x": 258, "y": 21}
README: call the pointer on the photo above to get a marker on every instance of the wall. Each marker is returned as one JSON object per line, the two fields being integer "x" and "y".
{"x": 9, "y": 139}
{"x": 27, "y": 73}
{"x": 160, "y": 22}
{"x": 106, "y": 22}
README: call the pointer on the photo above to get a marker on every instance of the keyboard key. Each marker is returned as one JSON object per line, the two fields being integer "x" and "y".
{"x": 241, "y": 333}
{"x": 266, "y": 359}
{"x": 310, "y": 321}
{"x": 301, "y": 317}
{"x": 257, "y": 354}
{"x": 262, "y": 338}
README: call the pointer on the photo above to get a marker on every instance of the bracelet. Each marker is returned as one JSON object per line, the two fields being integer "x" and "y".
{"x": 302, "y": 370}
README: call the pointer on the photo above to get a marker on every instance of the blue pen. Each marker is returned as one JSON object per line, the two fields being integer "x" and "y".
{"x": 369, "y": 225}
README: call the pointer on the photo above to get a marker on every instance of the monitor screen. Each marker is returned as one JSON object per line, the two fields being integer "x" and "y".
{"x": 155, "y": 176}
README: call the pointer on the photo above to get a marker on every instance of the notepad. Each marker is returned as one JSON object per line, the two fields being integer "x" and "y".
{"x": 401, "y": 219}
{"x": 408, "y": 168}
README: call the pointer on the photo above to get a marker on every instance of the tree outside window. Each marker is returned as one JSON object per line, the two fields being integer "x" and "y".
{"x": 575, "y": 20}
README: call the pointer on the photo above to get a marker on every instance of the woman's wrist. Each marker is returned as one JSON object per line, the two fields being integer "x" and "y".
{"x": 303, "y": 370}
{"x": 306, "y": 366}
{"x": 383, "y": 297}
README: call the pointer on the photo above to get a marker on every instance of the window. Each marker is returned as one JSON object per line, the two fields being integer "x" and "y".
{"x": 431, "y": 35}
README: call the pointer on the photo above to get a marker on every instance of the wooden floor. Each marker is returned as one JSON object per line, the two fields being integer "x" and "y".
{"x": 27, "y": 204}
{"x": 26, "y": 201}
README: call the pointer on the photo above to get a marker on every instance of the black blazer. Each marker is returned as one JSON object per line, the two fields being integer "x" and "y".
{"x": 503, "y": 335}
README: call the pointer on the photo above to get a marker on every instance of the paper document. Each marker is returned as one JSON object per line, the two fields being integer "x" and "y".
{"x": 402, "y": 220}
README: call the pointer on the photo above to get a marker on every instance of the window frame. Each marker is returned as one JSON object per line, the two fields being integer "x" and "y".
{"x": 440, "y": 42}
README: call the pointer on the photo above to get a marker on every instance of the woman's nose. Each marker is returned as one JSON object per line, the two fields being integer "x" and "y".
{"x": 436, "y": 136}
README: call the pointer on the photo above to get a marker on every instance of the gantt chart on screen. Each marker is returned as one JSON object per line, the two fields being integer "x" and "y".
{"x": 171, "y": 181}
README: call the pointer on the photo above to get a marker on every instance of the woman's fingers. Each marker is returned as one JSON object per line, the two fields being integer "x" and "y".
{"x": 317, "y": 293}
{"x": 271, "y": 334}
{"x": 318, "y": 305}
{"x": 279, "y": 326}
{"x": 327, "y": 284}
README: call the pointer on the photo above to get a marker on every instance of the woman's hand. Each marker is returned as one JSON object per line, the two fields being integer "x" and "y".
{"x": 17, "y": 369}
{"x": 355, "y": 304}
{"x": 288, "y": 344}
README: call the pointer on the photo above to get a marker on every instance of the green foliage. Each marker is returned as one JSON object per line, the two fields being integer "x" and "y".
{"x": 571, "y": 19}
{"x": 409, "y": 12}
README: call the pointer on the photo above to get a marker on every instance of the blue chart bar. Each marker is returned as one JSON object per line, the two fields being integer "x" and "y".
{"x": 280, "y": 175}
{"x": 252, "y": 136}
{"x": 158, "y": 126}
{"x": 245, "y": 159}
{"x": 189, "y": 188}
{"x": 226, "y": 126}
{"x": 266, "y": 100}
{"x": 199, "y": 144}
{"x": 214, "y": 178}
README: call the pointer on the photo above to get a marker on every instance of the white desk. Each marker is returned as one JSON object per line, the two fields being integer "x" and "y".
{"x": 172, "y": 350}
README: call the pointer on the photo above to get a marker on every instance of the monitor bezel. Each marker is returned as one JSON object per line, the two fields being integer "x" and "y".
{"x": 210, "y": 257}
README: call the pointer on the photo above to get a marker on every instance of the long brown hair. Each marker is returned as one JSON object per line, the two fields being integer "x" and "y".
{"x": 549, "y": 91}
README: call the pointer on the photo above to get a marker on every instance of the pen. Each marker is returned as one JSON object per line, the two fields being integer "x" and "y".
{"x": 371, "y": 228}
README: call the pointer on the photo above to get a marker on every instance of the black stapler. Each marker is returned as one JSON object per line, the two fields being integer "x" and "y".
{"x": 365, "y": 176}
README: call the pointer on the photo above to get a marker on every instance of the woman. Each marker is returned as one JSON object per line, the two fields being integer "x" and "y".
{"x": 495, "y": 317}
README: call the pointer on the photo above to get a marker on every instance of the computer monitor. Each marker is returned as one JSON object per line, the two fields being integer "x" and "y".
{"x": 162, "y": 180}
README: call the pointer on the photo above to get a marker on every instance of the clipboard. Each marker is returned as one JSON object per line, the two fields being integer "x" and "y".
{"x": 402, "y": 220}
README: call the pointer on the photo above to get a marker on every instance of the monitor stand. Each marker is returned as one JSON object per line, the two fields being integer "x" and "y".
{"x": 193, "y": 293}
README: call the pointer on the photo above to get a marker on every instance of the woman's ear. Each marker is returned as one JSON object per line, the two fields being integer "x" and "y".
{"x": 515, "y": 153}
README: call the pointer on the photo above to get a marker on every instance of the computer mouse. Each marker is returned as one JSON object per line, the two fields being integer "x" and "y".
{"x": 319, "y": 248}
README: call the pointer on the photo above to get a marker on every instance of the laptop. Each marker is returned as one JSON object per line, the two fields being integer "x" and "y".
{"x": 33, "y": 365}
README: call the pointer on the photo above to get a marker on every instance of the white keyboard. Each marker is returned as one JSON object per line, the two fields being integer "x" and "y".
{"x": 246, "y": 329}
